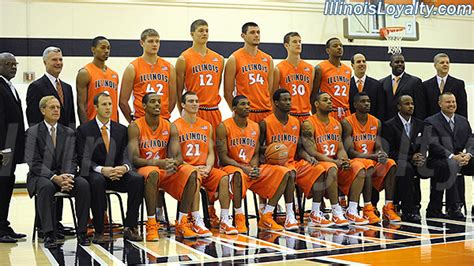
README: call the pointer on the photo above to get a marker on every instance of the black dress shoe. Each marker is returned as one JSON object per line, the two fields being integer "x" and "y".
{"x": 5, "y": 238}
{"x": 65, "y": 230}
{"x": 13, "y": 234}
{"x": 435, "y": 214}
{"x": 50, "y": 241}
{"x": 58, "y": 235}
{"x": 99, "y": 238}
{"x": 456, "y": 214}
{"x": 83, "y": 240}
{"x": 411, "y": 218}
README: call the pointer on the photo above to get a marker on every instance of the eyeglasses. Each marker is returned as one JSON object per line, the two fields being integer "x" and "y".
{"x": 11, "y": 64}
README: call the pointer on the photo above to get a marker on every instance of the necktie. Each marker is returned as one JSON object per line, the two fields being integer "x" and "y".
{"x": 360, "y": 85}
{"x": 53, "y": 136}
{"x": 441, "y": 86}
{"x": 407, "y": 129}
{"x": 451, "y": 124}
{"x": 395, "y": 84}
{"x": 59, "y": 88}
{"x": 105, "y": 137}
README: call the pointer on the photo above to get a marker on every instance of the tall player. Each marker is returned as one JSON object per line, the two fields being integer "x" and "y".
{"x": 199, "y": 69}
{"x": 322, "y": 139}
{"x": 296, "y": 76}
{"x": 361, "y": 134}
{"x": 238, "y": 147}
{"x": 249, "y": 72}
{"x": 94, "y": 78}
{"x": 191, "y": 143}
{"x": 148, "y": 142}
{"x": 333, "y": 77}
{"x": 148, "y": 73}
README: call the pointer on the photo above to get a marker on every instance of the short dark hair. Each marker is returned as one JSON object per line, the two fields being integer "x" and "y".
{"x": 352, "y": 57}
{"x": 147, "y": 33}
{"x": 358, "y": 95}
{"x": 399, "y": 100}
{"x": 183, "y": 97}
{"x": 318, "y": 95}
{"x": 97, "y": 39}
{"x": 236, "y": 99}
{"x": 328, "y": 43}
{"x": 287, "y": 37}
{"x": 393, "y": 55}
{"x": 277, "y": 94}
{"x": 446, "y": 93}
{"x": 146, "y": 97}
{"x": 197, "y": 23}
{"x": 98, "y": 95}
{"x": 246, "y": 26}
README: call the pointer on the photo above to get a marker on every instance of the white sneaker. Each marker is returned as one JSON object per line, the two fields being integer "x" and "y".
{"x": 291, "y": 223}
{"x": 318, "y": 219}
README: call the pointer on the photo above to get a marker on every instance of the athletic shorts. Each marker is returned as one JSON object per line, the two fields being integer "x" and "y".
{"x": 306, "y": 175}
{"x": 212, "y": 116}
{"x": 301, "y": 117}
{"x": 381, "y": 170}
{"x": 211, "y": 182}
{"x": 257, "y": 117}
{"x": 340, "y": 115}
{"x": 345, "y": 178}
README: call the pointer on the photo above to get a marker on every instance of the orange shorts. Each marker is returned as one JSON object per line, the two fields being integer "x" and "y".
{"x": 340, "y": 115}
{"x": 266, "y": 184}
{"x": 306, "y": 175}
{"x": 345, "y": 178}
{"x": 257, "y": 117}
{"x": 212, "y": 116}
{"x": 381, "y": 170}
{"x": 173, "y": 184}
{"x": 301, "y": 116}
{"x": 211, "y": 183}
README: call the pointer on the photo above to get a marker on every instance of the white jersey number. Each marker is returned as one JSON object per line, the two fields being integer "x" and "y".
{"x": 207, "y": 81}
{"x": 300, "y": 90}
{"x": 149, "y": 155}
{"x": 242, "y": 155}
{"x": 159, "y": 89}
{"x": 255, "y": 78}
{"x": 340, "y": 91}
{"x": 192, "y": 150}
{"x": 329, "y": 150}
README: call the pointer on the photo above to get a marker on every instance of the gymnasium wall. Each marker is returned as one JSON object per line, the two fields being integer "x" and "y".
{"x": 29, "y": 26}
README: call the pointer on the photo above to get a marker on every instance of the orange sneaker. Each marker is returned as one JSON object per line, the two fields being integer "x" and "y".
{"x": 213, "y": 219}
{"x": 184, "y": 230}
{"x": 318, "y": 219}
{"x": 266, "y": 222}
{"x": 227, "y": 228}
{"x": 152, "y": 230}
{"x": 369, "y": 214}
{"x": 389, "y": 213}
{"x": 339, "y": 220}
{"x": 291, "y": 223}
{"x": 200, "y": 228}
{"x": 355, "y": 218}
{"x": 240, "y": 223}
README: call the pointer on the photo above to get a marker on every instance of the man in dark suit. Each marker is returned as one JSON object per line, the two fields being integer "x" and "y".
{"x": 372, "y": 87}
{"x": 50, "y": 84}
{"x": 52, "y": 165}
{"x": 451, "y": 149}
{"x": 102, "y": 149}
{"x": 12, "y": 139}
{"x": 443, "y": 82}
{"x": 400, "y": 83}
{"x": 404, "y": 134}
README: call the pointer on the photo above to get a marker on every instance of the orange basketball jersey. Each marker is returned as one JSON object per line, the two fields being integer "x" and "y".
{"x": 364, "y": 136}
{"x": 241, "y": 142}
{"x": 287, "y": 134}
{"x": 336, "y": 82}
{"x": 101, "y": 81}
{"x": 194, "y": 140}
{"x": 203, "y": 76}
{"x": 326, "y": 137}
{"x": 251, "y": 78}
{"x": 153, "y": 144}
{"x": 151, "y": 78}
{"x": 298, "y": 81}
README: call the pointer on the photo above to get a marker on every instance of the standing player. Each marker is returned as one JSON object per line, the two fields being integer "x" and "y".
{"x": 94, "y": 78}
{"x": 321, "y": 135}
{"x": 148, "y": 142}
{"x": 296, "y": 76}
{"x": 191, "y": 143}
{"x": 148, "y": 73}
{"x": 238, "y": 147}
{"x": 199, "y": 69}
{"x": 333, "y": 77}
{"x": 249, "y": 72}
{"x": 361, "y": 133}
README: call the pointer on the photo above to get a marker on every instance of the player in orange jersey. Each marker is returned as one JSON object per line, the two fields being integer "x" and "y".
{"x": 361, "y": 133}
{"x": 322, "y": 139}
{"x": 333, "y": 77}
{"x": 238, "y": 147}
{"x": 94, "y": 78}
{"x": 191, "y": 143}
{"x": 296, "y": 76}
{"x": 282, "y": 128}
{"x": 148, "y": 144}
{"x": 249, "y": 72}
{"x": 199, "y": 69}
{"x": 148, "y": 73}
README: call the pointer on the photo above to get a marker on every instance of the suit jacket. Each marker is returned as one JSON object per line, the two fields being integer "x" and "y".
{"x": 374, "y": 90}
{"x": 45, "y": 160}
{"x": 454, "y": 85}
{"x": 12, "y": 127}
{"x": 409, "y": 85}
{"x": 402, "y": 147}
{"x": 446, "y": 142}
{"x": 43, "y": 87}
{"x": 91, "y": 149}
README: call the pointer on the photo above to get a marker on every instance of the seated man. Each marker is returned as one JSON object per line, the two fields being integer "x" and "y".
{"x": 191, "y": 143}
{"x": 238, "y": 147}
{"x": 148, "y": 144}
{"x": 101, "y": 147}
{"x": 361, "y": 134}
{"x": 52, "y": 162}
{"x": 322, "y": 139}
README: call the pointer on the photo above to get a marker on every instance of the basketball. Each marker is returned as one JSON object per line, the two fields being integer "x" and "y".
{"x": 276, "y": 153}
